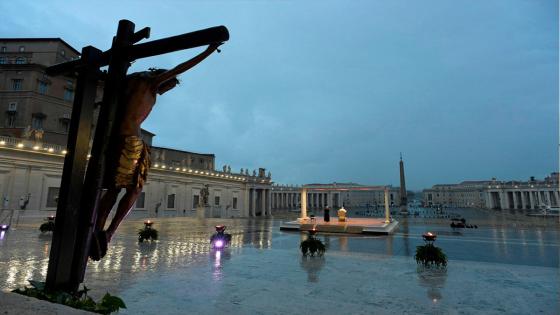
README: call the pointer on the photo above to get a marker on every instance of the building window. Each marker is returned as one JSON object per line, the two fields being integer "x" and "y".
{"x": 141, "y": 201}
{"x": 4, "y": 49}
{"x": 17, "y": 84}
{"x": 64, "y": 125}
{"x": 11, "y": 119}
{"x": 63, "y": 52}
{"x": 43, "y": 86}
{"x": 234, "y": 202}
{"x": 20, "y": 61}
{"x": 195, "y": 201}
{"x": 21, "y": 48}
{"x": 68, "y": 95}
{"x": 171, "y": 201}
{"x": 2, "y": 60}
{"x": 217, "y": 200}
{"x": 37, "y": 121}
{"x": 52, "y": 197}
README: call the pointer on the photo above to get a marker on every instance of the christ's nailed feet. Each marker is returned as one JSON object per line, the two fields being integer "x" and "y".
{"x": 98, "y": 246}
{"x": 94, "y": 248}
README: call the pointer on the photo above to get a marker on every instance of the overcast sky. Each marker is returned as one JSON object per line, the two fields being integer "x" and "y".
{"x": 319, "y": 91}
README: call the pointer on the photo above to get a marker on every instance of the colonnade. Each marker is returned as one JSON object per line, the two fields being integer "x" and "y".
{"x": 522, "y": 199}
{"x": 315, "y": 199}
{"x": 259, "y": 201}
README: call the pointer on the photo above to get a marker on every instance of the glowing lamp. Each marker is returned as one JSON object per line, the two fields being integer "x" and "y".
{"x": 148, "y": 223}
{"x": 2, "y": 142}
{"x": 219, "y": 244}
{"x": 20, "y": 145}
{"x": 36, "y": 147}
{"x": 64, "y": 151}
{"x": 51, "y": 218}
{"x": 4, "y": 227}
{"x": 429, "y": 236}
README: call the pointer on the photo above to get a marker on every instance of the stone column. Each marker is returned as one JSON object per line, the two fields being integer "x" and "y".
{"x": 268, "y": 202}
{"x": 523, "y": 201}
{"x": 515, "y": 202}
{"x": 504, "y": 200}
{"x": 246, "y": 202}
{"x": 387, "y": 212}
{"x": 263, "y": 202}
{"x": 531, "y": 200}
{"x": 303, "y": 203}
{"x": 338, "y": 200}
{"x": 552, "y": 197}
{"x": 488, "y": 200}
{"x": 253, "y": 202}
{"x": 290, "y": 200}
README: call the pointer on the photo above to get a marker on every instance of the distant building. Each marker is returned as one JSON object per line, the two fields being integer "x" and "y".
{"x": 494, "y": 194}
{"x": 35, "y": 113}
{"x": 32, "y": 104}
{"x": 335, "y": 195}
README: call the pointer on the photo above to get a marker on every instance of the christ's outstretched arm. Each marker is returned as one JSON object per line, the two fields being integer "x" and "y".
{"x": 167, "y": 75}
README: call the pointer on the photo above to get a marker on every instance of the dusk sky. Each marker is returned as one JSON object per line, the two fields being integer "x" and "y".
{"x": 322, "y": 91}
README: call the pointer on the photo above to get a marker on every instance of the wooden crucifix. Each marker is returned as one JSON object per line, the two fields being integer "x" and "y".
{"x": 119, "y": 158}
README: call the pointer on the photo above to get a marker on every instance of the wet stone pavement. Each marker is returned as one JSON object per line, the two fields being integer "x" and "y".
{"x": 508, "y": 265}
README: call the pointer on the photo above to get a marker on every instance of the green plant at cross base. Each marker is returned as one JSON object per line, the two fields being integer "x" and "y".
{"x": 312, "y": 246}
{"x": 80, "y": 300}
{"x": 147, "y": 234}
{"x": 430, "y": 255}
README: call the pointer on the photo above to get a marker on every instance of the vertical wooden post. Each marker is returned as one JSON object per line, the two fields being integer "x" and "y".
{"x": 100, "y": 153}
{"x": 59, "y": 276}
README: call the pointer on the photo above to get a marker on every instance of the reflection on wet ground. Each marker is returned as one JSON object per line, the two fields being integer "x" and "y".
{"x": 516, "y": 252}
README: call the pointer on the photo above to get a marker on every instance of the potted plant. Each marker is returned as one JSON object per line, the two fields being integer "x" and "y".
{"x": 428, "y": 254}
{"x": 312, "y": 245}
{"x": 147, "y": 233}
{"x": 47, "y": 226}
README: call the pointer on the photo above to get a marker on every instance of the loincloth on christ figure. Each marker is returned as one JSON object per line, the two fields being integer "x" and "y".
{"x": 133, "y": 163}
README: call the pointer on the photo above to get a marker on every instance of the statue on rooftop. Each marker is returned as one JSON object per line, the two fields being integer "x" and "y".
{"x": 130, "y": 155}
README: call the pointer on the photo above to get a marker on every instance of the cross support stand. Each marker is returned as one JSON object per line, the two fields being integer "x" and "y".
{"x": 80, "y": 191}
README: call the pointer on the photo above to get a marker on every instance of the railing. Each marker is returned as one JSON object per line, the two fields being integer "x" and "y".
{"x": 31, "y": 145}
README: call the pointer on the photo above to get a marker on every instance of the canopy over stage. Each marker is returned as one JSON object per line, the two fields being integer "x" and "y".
{"x": 351, "y": 226}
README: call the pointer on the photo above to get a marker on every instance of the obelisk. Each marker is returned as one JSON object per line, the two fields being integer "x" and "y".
{"x": 404, "y": 199}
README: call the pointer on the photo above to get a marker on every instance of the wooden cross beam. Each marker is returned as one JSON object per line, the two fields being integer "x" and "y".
{"x": 199, "y": 38}
{"x": 79, "y": 196}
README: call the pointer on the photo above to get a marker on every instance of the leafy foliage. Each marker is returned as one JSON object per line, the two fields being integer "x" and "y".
{"x": 80, "y": 300}
{"x": 147, "y": 234}
{"x": 47, "y": 227}
{"x": 312, "y": 246}
{"x": 430, "y": 255}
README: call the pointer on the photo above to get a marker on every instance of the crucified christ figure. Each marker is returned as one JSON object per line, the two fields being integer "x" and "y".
{"x": 129, "y": 164}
